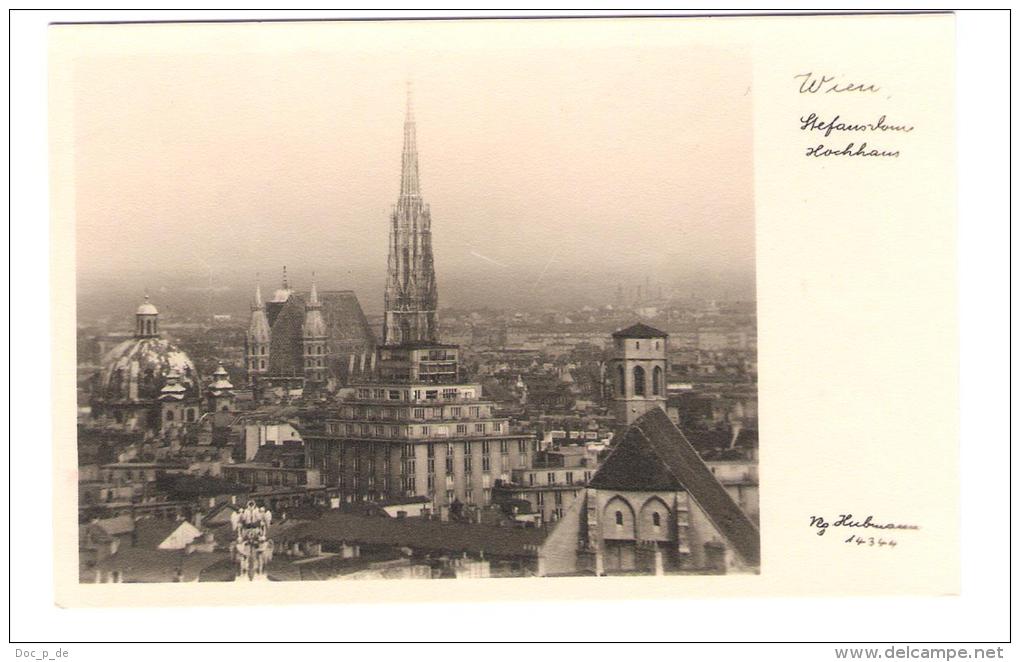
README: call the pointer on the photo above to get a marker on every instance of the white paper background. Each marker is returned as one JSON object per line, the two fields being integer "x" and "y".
{"x": 980, "y": 613}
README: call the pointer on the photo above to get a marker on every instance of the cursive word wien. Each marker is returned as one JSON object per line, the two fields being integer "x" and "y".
{"x": 813, "y": 122}
{"x": 812, "y": 84}
{"x": 848, "y": 521}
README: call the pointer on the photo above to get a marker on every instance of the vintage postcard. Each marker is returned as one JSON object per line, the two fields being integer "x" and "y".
{"x": 618, "y": 307}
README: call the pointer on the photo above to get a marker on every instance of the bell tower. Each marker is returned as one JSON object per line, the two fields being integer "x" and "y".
{"x": 638, "y": 372}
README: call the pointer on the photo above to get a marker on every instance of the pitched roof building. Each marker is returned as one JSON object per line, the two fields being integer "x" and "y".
{"x": 284, "y": 329}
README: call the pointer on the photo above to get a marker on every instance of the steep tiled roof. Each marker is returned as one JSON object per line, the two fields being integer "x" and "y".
{"x": 654, "y": 455}
{"x": 347, "y": 332}
{"x": 419, "y": 534}
{"x": 137, "y": 564}
{"x": 151, "y": 531}
{"x": 640, "y": 330}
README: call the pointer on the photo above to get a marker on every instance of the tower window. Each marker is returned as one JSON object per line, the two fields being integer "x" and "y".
{"x": 637, "y": 344}
{"x": 620, "y": 380}
{"x": 657, "y": 381}
{"x": 639, "y": 380}
{"x": 656, "y": 520}
{"x": 619, "y": 518}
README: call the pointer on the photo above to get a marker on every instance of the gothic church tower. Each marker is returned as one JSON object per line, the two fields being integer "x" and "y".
{"x": 411, "y": 297}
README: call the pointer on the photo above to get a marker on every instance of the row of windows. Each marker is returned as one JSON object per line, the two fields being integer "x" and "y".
{"x": 187, "y": 415}
{"x": 419, "y": 413}
{"x": 418, "y": 394}
{"x": 407, "y": 450}
{"x": 551, "y": 478}
{"x": 639, "y": 380}
{"x": 400, "y": 431}
{"x": 656, "y": 519}
{"x": 313, "y": 349}
{"x": 621, "y": 343}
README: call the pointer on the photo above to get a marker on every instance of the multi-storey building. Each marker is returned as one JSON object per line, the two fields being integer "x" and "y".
{"x": 416, "y": 429}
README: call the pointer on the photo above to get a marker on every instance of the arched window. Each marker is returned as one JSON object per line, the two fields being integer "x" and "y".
{"x": 620, "y": 379}
{"x": 619, "y": 518}
{"x": 656, "y": 520}
{"x": 657, "y": 381}
{"x": 639, "y": 380}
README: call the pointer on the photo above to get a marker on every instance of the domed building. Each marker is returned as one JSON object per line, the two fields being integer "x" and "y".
{"x": 137, "y": 372}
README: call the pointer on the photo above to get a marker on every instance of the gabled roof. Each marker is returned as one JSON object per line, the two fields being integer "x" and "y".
{"x": 116, "y": 526}
{"x": 654, "y": 455}
{"x": 640, "y": 330}
{"x": 151, "y": 531}
{"x": 419, "y": 534}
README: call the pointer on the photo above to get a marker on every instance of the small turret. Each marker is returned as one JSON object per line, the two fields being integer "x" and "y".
{"x": 220, "y": 392}
{"x": 146, "y": 320}
{"x": 313, "y": 338}
{"x": 257, "y": 339}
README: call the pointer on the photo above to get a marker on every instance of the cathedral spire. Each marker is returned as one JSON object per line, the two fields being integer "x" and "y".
{"x": 409, "y": 184}
{"x": 411, "y": 297}
{"x": 257, "y": 304}
{"x": 313, "y": 298}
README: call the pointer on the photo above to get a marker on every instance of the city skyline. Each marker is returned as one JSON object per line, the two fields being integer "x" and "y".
{"x": 234, "y": 164}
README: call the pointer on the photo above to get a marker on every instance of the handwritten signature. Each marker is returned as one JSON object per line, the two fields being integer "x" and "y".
{"x": 812, "y": 84}
{"x": 847, "y": 520}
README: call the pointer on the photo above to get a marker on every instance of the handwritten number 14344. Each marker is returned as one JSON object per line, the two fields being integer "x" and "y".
{"x": 870, "y": 541}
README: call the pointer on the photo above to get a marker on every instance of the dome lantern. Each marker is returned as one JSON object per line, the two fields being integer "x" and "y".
{"x": 146, "y": 320}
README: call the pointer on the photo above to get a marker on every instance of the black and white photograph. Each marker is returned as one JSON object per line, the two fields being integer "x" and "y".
{"x": 387, "y": 327}
{"x": 416, "y": 315}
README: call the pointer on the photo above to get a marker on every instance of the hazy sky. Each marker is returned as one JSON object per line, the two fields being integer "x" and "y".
{"x": 550, "y": 167}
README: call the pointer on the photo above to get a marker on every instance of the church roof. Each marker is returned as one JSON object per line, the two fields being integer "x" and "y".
{"x": 347, "y": 332}
{"x": 640, "y": 330}
{"x": 654, "y": 455}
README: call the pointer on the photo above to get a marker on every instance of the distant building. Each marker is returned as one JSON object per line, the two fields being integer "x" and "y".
{"x": 638, "y": 370}
{"x": 552, "y": 482}
{"x": 417, "y": 431}
{"x": 295, "y": 340}
{"x": 654, "y": 506}
{"x": 129, "y": 392}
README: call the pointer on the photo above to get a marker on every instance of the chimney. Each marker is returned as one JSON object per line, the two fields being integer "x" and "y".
{"x": 736, "y": 425}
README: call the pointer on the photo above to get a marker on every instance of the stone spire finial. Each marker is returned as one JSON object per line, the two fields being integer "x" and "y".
{"x": 313, "y": 298}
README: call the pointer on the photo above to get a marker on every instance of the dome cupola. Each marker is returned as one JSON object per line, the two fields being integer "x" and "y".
{"x": 146, "y": 320}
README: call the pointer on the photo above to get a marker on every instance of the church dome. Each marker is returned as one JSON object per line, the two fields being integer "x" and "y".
{"x": 137, "y": 369}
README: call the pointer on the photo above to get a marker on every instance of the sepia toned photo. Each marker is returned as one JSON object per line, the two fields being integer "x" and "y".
{"x": 400, "y": 313}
